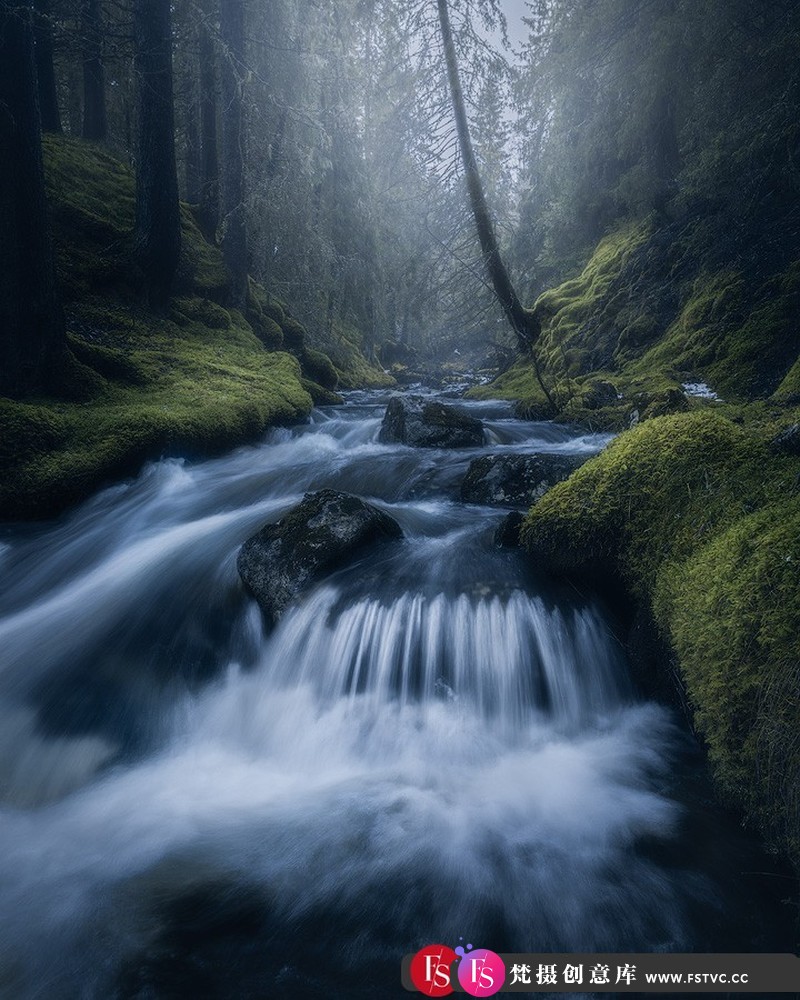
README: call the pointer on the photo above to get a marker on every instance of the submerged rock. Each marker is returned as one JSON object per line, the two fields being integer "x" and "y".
{"x": 515, "y": 480}
{"x": 507, "y": 533}
{"x": 425, "y": 423}
{"x": 324, "y": 532}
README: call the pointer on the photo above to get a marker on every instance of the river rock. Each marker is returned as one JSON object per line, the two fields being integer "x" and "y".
{"x": 426, "y": 423}
{"x": 507, "y": 534}
{"x": 323, "y": 533}
{"x": 515, "y": 480}
{"x": 600, "y": 394}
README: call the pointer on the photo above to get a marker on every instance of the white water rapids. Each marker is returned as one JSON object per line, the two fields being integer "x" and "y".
{"x": 432, "y": 744}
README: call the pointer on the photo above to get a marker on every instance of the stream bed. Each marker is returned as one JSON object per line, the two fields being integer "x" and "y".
{"x": 437, "y": 743}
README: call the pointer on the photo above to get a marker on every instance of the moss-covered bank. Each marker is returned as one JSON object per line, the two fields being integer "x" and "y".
{"x": 700, "y": 517}
{"x": 656, "y": 307}
{"x": 693, "y": 507}
{"x": 137, "y": 385}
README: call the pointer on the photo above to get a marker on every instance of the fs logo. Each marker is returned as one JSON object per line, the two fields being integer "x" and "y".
{"x": 430, "y": 970}
{"x": 481, "y": 973}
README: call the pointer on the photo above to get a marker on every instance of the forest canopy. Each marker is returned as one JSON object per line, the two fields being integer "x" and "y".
{"x": 318, "y": 147}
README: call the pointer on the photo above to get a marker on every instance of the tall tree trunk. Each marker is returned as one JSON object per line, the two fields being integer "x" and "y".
{"x": 191, "y": 177}
{"x": 664, "y": 151}
{"x": 95, "y": 124}
{"x": 73, "y": 79}
{"x": 32, "y": 330}
{"x": 523, "y": 322}
{"x": 209, "y": 158}
{"x": 158, "y": 219}
{"x": 234, "y": 231}
{"x": 43, "y": 41}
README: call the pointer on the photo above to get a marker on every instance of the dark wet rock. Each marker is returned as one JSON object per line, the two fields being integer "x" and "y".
{"x": 507, "y": 533}
{"x": 515, "y": 480}
{"x": 788, "y": 441}
{"x": 394, "y": 352}
{"x": 323, "y": 533}
{"x": 600, "y": 394}
{"x": 426, "y": 423}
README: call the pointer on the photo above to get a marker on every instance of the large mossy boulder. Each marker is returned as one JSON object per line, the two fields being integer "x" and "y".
{"x": 599, "y": 394}
{"x": 323, "y": 533}
{"x": 294, "y": 334}
{"x": 425, "y": 423}
{"x": 319, "y": 368}
{"x": 515, "y": 480}
{"x": 700, "y": 518}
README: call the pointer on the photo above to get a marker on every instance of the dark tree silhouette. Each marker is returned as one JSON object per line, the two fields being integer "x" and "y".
{"x": 43, "y": 44}
{"x": 234, "y": 227}
{"x": 209, "y": 159}
{"x": 522, "y": 320}
{"x": 32, "y": 331}
{"x": 95, "y": 124}
{"x": 158, "y": 220}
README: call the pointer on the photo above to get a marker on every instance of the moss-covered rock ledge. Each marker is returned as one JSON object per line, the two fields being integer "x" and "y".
{"x": 700, "y": 517}
{"x": 182, "y": 397}
{"x": 136, "y": 385}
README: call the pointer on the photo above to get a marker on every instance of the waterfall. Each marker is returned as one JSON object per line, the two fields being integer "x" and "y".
{"x": 433, "y": 742}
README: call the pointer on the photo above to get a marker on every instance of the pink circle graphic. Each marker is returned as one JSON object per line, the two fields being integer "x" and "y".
{"x": 481, "y": 973}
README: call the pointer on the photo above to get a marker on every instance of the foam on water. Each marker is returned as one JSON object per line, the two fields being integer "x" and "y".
{"x": 424, "y": 747}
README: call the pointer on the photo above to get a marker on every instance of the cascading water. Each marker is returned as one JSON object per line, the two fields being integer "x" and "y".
{"x": 431, "y": 745}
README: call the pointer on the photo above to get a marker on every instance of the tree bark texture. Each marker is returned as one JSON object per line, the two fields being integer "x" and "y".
{"x": 234, "y": 227}
{"x": 95, "y": 123}
{"x": 32, "y": 330}
{"x": 191, "y": 117}
{"x": 522, "y": 321}
{"x": 209, "y": 157}
{"x": 43, "y": 43}
{"x": 158, "y": 220}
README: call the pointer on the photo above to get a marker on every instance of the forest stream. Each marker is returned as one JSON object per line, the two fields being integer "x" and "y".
{"x": 435, "y": 744}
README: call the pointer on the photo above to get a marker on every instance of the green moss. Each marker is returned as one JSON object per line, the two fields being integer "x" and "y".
{"x": 135, "y": 385}
{"x": 108, "y": 362}
{"x": 692, "y": 341}
{"x": 659, "y": 491}
{"x": 89, "y": 185}
{"x": 701, "y": 519}
{"x": 29, "y": 430}
{"x": 591, "y": 324}
{"x": 354, "y": 371}
{"x": 203, "y": 311}
{"x": 570, "y": 304}
{"x": 201, "y": 397}
{"x": 517, "y": 383}
{"x": 294, "y": 334}
{"x": 267, "y": 331}
{"x": 789, "y": 389}
{"x": 739, "y": 340}
{"x": 260, "y": 300}
{"x": 201, "y": 268}
{"x": 91, "y": 197}
{"x": 757, "y": 353}
{"x": 646, "y": 311}
{"x": 733, "y": 615}
{"x": 321, "y": 395}
{"x": 319, "y": 368}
